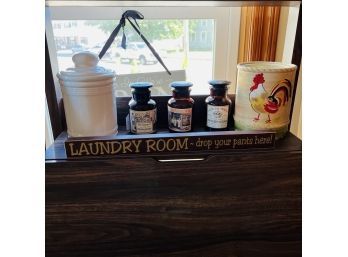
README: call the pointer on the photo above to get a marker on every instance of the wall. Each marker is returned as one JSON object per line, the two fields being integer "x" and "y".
{"x": 285, "y": 45}
{"x": 296, "y": 122}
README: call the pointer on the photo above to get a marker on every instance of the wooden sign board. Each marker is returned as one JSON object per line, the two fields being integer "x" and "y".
{"x": 160, "y": 80}
{"x": 168, "y": 143}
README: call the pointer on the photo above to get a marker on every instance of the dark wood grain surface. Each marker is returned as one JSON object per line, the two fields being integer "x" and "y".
{"x": 240, "y": 204}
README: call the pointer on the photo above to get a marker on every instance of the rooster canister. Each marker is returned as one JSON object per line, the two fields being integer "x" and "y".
{"x": 264, "y": 96}
{"x": 89, "y": 97}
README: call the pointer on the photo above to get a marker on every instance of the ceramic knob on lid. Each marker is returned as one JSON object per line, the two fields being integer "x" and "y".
{"x": 85, "y": 59}
{"x": 89, "y": 97}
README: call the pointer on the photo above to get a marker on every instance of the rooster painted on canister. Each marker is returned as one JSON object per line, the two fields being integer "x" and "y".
{"x": 264, "y": 102}
{"x": 263, "y": 96}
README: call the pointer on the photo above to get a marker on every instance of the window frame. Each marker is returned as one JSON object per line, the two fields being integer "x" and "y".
{"x": 205, "y": 37}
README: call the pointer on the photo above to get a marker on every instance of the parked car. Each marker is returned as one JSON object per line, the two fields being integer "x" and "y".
{"x": 136, "y": 51}
{"x": 78, "y": 48}
{"x": 97, "y": 49}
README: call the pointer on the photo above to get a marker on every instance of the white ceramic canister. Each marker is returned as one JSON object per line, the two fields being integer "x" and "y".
{"x": 89, "y": 97}
{"x": 264, "y": 96}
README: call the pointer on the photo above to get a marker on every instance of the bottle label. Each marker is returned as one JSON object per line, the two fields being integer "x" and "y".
{"x": 217, "y": 116}
{"x": 179, "y": 119}
{"x": 142, "y": 121}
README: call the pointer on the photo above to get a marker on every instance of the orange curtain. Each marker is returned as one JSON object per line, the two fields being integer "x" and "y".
{"x": 258, "y": 33}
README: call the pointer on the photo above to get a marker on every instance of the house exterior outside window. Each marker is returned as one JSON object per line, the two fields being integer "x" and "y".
{"x": 204, "y": 29}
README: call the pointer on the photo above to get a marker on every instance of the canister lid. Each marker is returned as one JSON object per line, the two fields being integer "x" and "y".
{"x": 140, "y": 85}
{"x": 219, "y": 83}
{"x": 262, "y": 66}
{"x": 181, "y": 84}
{"x": 86, "y": 69}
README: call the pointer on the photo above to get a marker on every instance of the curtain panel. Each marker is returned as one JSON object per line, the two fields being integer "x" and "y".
{"x": 258, "y": 33}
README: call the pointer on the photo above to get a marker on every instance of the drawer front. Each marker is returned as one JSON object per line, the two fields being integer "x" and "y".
{"x": 224, "y": 205}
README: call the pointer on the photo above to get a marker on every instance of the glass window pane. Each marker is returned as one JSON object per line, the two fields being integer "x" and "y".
{"x": 186, "y": 47}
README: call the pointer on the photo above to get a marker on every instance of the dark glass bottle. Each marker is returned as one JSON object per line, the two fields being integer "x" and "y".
{"x": 180, "y": 107}
{"x": 218, "y": 106}
{"x": 142, "y": 109}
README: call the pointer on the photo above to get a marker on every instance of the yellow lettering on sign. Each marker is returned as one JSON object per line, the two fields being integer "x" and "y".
{"x": 163, "y": 145}
{"x": 73, "y": 153}
{"x": 96, "y": 152}
{"x": 83, "y": 149}
{"x": 171, "y": 148}
{"x": 136, "y": 143}
{"x": 150, "y": 145}
{"x": 181, "y": 145}
{"x": 126, "y": 146}
{"x": 115, "y": 147}
{"x": 104, "y": 146}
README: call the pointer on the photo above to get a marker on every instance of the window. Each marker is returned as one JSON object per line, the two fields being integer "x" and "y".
{"x": 84, "y": 40}
{"x": 203, "y": 36}
{"x": 193, "y": 36}
{"x": 167, "y": 37}
{"x": 56, "y": 25}
{"x": 179, "y": 34}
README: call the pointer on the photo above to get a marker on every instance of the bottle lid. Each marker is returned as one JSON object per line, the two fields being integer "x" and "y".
{"x": 219, "y": 83}
{"x": 181, "y": 84}
{"x": 140, "y": 85}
